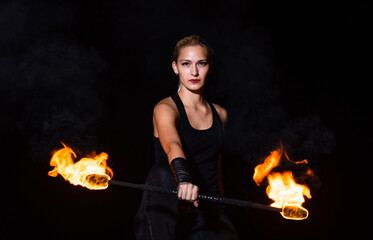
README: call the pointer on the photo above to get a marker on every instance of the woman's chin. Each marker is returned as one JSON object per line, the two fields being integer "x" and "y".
{"x": 196, "y": 88}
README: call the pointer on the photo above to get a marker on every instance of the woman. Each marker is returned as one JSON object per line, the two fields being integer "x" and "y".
{"x": 188, "y": 136}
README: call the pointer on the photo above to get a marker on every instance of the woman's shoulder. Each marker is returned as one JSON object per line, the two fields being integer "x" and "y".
{"x": 166, "y": 106}
{"x": 222, "y": 112}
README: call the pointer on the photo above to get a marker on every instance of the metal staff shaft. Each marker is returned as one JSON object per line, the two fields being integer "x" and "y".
{"x": 205, "y": 197}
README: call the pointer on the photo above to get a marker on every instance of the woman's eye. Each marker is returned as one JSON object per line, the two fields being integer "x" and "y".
{"x": 185, "y": 64}
{"x": 203, "y": 63}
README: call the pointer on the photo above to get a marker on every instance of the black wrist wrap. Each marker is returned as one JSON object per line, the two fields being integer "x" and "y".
{"x": 179, "y": 167}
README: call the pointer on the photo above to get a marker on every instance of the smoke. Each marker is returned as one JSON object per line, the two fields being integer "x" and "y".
{"x": 257, "y": 121}
{"x": 49, "y": 82}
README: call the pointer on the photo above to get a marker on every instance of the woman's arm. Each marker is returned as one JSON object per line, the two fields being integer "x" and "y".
{"x": 165, "y": 118}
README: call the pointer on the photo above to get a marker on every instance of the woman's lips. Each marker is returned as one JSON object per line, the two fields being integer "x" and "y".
{"x": 194, "y": 80}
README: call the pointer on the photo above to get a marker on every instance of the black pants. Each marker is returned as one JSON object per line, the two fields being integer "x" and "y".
{"x": 164, "y": 217}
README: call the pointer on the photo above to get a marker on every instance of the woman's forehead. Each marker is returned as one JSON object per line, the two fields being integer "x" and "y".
{"x": 193, "y": 53}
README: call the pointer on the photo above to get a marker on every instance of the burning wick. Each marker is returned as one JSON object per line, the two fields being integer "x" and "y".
{"x": 97, "y": 181}
{"x": 294, "y": 212}
{"x": 282, "y": 187}
{"x": 92, "y": 173}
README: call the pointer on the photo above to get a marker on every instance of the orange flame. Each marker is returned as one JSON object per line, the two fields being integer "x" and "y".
{"x": 272, "y": 161}
{"x": 282, "y": 187}
{"x": 92, "y": 173}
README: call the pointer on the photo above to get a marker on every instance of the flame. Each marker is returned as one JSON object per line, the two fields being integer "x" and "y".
{"x": 92, "y": 173}
{"x": 272, "y": 161}
{"x": 282, "y": 188}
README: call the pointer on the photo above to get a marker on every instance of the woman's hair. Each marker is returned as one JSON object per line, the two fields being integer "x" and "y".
{"x": 193, "y": 40}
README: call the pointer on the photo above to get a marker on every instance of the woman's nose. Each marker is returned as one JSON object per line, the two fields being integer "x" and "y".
{"x": 194, "y": 71}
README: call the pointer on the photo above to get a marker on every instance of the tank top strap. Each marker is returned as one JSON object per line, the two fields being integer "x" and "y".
{"x": 180, "y": 106}
{"x": 215, "y": 115}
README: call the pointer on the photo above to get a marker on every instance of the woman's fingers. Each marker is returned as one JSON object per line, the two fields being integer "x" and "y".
{"x": 180, "y": 190}
{"x": 194, "y": 195}
{"x": 187, "y": 192}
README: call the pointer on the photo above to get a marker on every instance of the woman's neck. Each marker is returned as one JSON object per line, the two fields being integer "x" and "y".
{"x": 192, "y": 99}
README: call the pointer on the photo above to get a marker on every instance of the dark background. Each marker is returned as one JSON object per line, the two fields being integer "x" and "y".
{"x": 89, "y": 73}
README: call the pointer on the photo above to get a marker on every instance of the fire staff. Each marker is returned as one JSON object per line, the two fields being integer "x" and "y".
{"x": 188, "y": 136}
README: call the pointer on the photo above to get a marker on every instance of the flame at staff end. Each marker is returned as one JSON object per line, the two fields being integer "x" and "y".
{"x": 282, "y": 188}
{"x": 92, "y": 173}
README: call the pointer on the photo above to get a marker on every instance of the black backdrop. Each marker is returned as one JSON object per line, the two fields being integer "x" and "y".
{"x": 89, "y": 73}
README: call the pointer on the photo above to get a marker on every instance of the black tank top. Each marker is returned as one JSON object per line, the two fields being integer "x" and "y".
{"x": 201, "y": 148}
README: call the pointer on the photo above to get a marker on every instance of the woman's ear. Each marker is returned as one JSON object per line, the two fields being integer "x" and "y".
{"x": 174, "y": 67}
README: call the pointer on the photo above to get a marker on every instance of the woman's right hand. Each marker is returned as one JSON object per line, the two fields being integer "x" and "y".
{"x": 188, "y": 192}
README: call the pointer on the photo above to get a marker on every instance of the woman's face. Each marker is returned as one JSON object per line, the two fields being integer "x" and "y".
{"x": 192, "y": 67}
